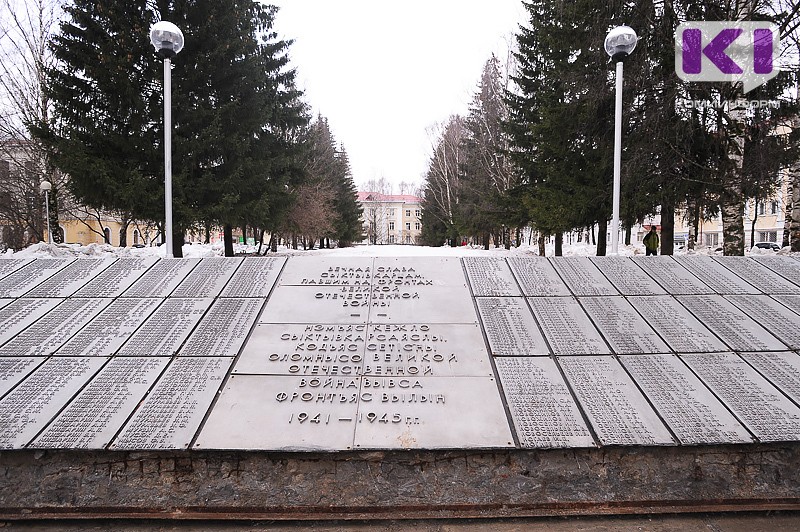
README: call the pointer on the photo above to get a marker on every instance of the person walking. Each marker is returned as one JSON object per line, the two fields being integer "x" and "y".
{"x": 651, "y": 242}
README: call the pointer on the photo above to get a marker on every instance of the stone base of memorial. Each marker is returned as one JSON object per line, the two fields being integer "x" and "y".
{"x": 399, "y": 484}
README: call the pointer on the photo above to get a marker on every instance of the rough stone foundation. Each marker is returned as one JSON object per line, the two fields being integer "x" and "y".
{"x": 262, "y": 485}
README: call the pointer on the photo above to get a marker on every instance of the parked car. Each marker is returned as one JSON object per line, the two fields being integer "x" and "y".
{"x": 767, "y": 245}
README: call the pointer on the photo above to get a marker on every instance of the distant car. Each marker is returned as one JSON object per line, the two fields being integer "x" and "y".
{"x": 138, "y": 246}
{"x": 767, "y": 245}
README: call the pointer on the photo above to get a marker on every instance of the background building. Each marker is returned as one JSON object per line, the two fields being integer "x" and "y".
{"x": 390, "y": 218}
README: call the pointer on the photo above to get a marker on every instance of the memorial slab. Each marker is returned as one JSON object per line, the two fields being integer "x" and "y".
{"x": 317, "y": 304}
{"x": 26, "y": 409}
{"x": 617, "y": 411}
{"x": 692, "y": 412}
{"x": 537, "y": 277}
{"x": 328, "y": 271}
{"x": 628, "y": 278}
{"x": 673, "y": 277}
{"x": 758, "y": 275}
{"x": 425, "y": 349}
{"x": 224, "y": 328}
{"x": 25, "y": 278}
{"x": 162, "y": 278}
{"x": 567, "y": 328}
{"x": 510, "y": 327}
{"x": 792, "y": 302}
{"x": 311, "y": 349}
{"x": 545, "y": 414}
{"x": 255, "y": 277}
{"x": 582, "y": 277}
{"x": 621, "y": 326}
{"x": 208, "y": 278}
{"x": 117, "y": 278}
{"x": 431, "y": 413}
{"x": 420, "y": 290}
{"x": 70, "y": 278}
{"x": 54, "y": 328}
{"x": 283, "y": 414}
{"x": 167, "y": 328}
{"x": 17, "y": 314}
{"x": 13, "y": 370}
{"x": 782, "y": 369}
{"x": 784, "y": 266}
{"x": 171, "y": 413}
{"x": 677, "y": 326}
{"x": 734, "y": 327}
{"x": 490, "y": 277}
{"x": 720, "y": 279}
{"x": 92, "y": 419}
{"x": 105, "y": 334}
{"x": 763, "y": 409}
{"x": 772, "y": 316}
{"x": 8, "y": 266}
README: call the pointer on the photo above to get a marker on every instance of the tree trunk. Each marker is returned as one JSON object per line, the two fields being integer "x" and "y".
{"x": 732, "y": 199}
{"x": 123, "y": 233}
{"x": 541, "y": 244}
{"x": 667, "y": 227}
{"x": 795, "y": 225}
{"x": 57, "y": 236}
{"x": 177, "y": 242}
{"x": 594, "y": 240}
{"x": 208, "y": 233}
{"x": 487, "y": 241}
{"x": 694, "y": 226}
{"x": 559, "y": 244}
{"x": 602, "y": 228}
{"x": 628, "y": 234}
{"x": 273, "y": 243}
{"x": 753, "y": 224}
{"x": 227, "y": 239}
{"x": 791, "y": 184}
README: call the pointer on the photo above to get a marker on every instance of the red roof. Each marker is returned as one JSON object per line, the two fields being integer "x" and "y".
{"x": 377, "y": 196}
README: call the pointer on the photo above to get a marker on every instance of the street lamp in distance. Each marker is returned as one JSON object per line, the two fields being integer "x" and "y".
{"x": 619, "y": 43}
{"x": 46, "y": 187}
{"x": 167, "y": 39}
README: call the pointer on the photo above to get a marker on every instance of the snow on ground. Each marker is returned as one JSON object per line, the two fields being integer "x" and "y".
{"x": 216, "y": 250}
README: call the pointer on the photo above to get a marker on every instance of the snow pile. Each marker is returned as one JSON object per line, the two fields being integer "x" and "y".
{"x": 579, "y": 249}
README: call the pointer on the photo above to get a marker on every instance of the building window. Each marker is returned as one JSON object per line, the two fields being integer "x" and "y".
{"x": 408, "y": 227}
{"x": 135, "y": 237}
{"x": 372, "y": 212}
{"x": 391, "y": 239}
{"x": 712, "y": 239}
{"x": 761, "y": 207}
{"x": 107, "y": 235}
{"x": 408, "y": 213}
{"x": 417, "y": 226}
{"x": 391, "y": 212}
{"x": 773, "y": 207}
{"x": 767, "y": 236}
{"x": 391, "y": 226}
{"x": 408, "y": 239}
{"x": 417, "y": 213}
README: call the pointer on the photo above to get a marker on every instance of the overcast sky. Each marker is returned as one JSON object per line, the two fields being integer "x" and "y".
{"x": 383, "y": 72}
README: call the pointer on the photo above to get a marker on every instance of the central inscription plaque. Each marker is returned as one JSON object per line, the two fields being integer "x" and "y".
{"x": 255, "y": 277}
{"x": 208, "y": 278}
{"x": 166, "y": 329}
{"x": 162, "y": 278}
{"x": 225, "y": 327}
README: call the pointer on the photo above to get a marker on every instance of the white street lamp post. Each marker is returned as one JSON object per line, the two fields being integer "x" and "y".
{"x": 619, "y": 43}
{"x": 46, "y": 187}
{"x": 167, "y": 39}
